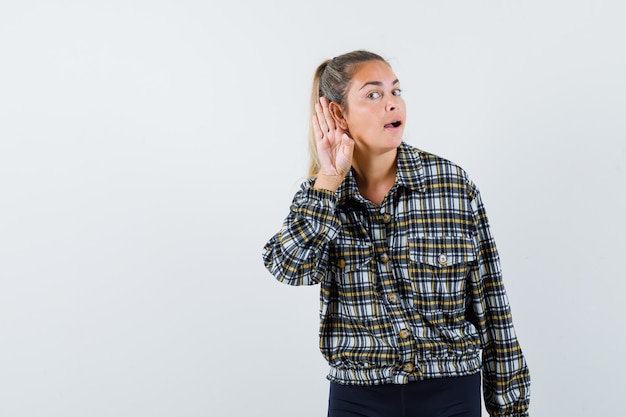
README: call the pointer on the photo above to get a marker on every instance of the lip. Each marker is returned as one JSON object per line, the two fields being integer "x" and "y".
{"x": 394, "y": 124}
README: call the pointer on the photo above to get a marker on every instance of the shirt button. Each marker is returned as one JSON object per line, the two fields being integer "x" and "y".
{"x": 341, "y": 263}
{"x": 392, "y": 298}
{"x": 404, "y": 333}
{"x": 408, "y": 367}
{"x": 384, "y": 258}
{"x": 387, "y": 217}
{"x": 442, "y": 259}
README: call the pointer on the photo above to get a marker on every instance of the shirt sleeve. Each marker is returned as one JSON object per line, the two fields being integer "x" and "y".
{"x": 506, "y": 379}
{"x": 298, "y": 253}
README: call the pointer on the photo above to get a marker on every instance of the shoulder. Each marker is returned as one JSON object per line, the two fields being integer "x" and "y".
{"x": 440, "y": 172}
{"x": 437, "y": 166}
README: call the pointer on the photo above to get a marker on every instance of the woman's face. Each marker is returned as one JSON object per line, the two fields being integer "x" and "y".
{"x": 375, "y": 114}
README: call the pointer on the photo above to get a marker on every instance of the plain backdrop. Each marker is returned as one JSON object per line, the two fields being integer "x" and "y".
{"x": 148, "y": 149}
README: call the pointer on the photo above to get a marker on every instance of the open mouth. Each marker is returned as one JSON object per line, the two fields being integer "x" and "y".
{"x": 397, "y": 123}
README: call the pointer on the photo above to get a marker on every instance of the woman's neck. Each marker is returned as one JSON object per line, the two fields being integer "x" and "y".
{"x": 375, "y": 174}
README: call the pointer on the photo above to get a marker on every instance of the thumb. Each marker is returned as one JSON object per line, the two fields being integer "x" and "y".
{"x": 348, "y": 144}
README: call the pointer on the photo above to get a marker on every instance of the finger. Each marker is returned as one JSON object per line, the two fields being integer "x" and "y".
{"x": 321, "y": 119}
{"x": 348, "y": 145}
{"x": 329, "y": 118}
{"x": 325, "y": 116}
{"x": 317, "y": 131}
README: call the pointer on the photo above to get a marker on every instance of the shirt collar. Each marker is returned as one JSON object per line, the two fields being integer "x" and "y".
{"x": 409, "y": 174}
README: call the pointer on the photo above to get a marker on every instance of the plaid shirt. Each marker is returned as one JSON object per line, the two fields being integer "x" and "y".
{"x": 411, "y": 289}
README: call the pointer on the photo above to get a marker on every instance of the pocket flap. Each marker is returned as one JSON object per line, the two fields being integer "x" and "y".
{"x": 351, "y": 258}
{"x": 442, "y": 251}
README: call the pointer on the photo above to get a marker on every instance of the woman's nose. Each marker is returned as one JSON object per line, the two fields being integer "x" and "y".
{"x": 392, "y": 103}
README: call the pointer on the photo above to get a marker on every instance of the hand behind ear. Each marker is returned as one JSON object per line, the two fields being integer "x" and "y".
{"x": 334, "y": 146}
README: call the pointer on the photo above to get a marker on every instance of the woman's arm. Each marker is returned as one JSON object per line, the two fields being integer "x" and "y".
{"x": 298, "y": 253}
{"x": 506, "y": 379}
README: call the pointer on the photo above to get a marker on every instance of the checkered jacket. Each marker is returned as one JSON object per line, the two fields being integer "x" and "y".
{"x": 410, "y": 289}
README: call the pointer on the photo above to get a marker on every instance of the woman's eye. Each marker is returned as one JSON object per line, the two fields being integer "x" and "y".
{"x": 373, "y": 95}
{"x": 397, "y": 92}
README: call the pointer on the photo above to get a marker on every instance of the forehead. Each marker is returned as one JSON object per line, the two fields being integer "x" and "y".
{"x": 373, "y": 71}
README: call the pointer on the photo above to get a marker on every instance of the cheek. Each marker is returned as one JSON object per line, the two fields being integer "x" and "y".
{"x": 359, "y": 120}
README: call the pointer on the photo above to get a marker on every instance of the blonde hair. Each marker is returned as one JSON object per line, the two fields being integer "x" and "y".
{"x": 331, "y": 80}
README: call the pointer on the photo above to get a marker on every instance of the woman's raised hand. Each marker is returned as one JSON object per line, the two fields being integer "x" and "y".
{"x": 334, "y": 148}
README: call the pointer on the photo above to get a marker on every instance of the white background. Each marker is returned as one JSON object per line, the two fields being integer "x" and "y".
{"x": 148, "y": 149}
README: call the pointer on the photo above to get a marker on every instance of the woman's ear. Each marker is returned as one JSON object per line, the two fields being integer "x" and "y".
{"x": 336, "y": 111}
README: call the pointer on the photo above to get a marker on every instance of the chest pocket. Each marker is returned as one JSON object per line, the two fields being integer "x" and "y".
{"x": 438, "y": 269}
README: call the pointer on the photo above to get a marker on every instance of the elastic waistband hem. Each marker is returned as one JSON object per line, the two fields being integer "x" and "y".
{"x": 352, "y": 374}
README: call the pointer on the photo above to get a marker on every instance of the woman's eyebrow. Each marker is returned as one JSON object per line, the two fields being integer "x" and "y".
{"x": 377, "y": 83}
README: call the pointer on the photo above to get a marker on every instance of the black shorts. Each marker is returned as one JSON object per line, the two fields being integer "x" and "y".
{"x": 440, "y": 397}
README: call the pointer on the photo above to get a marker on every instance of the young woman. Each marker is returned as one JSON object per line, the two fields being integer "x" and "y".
{"x": 413, "y": 308}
